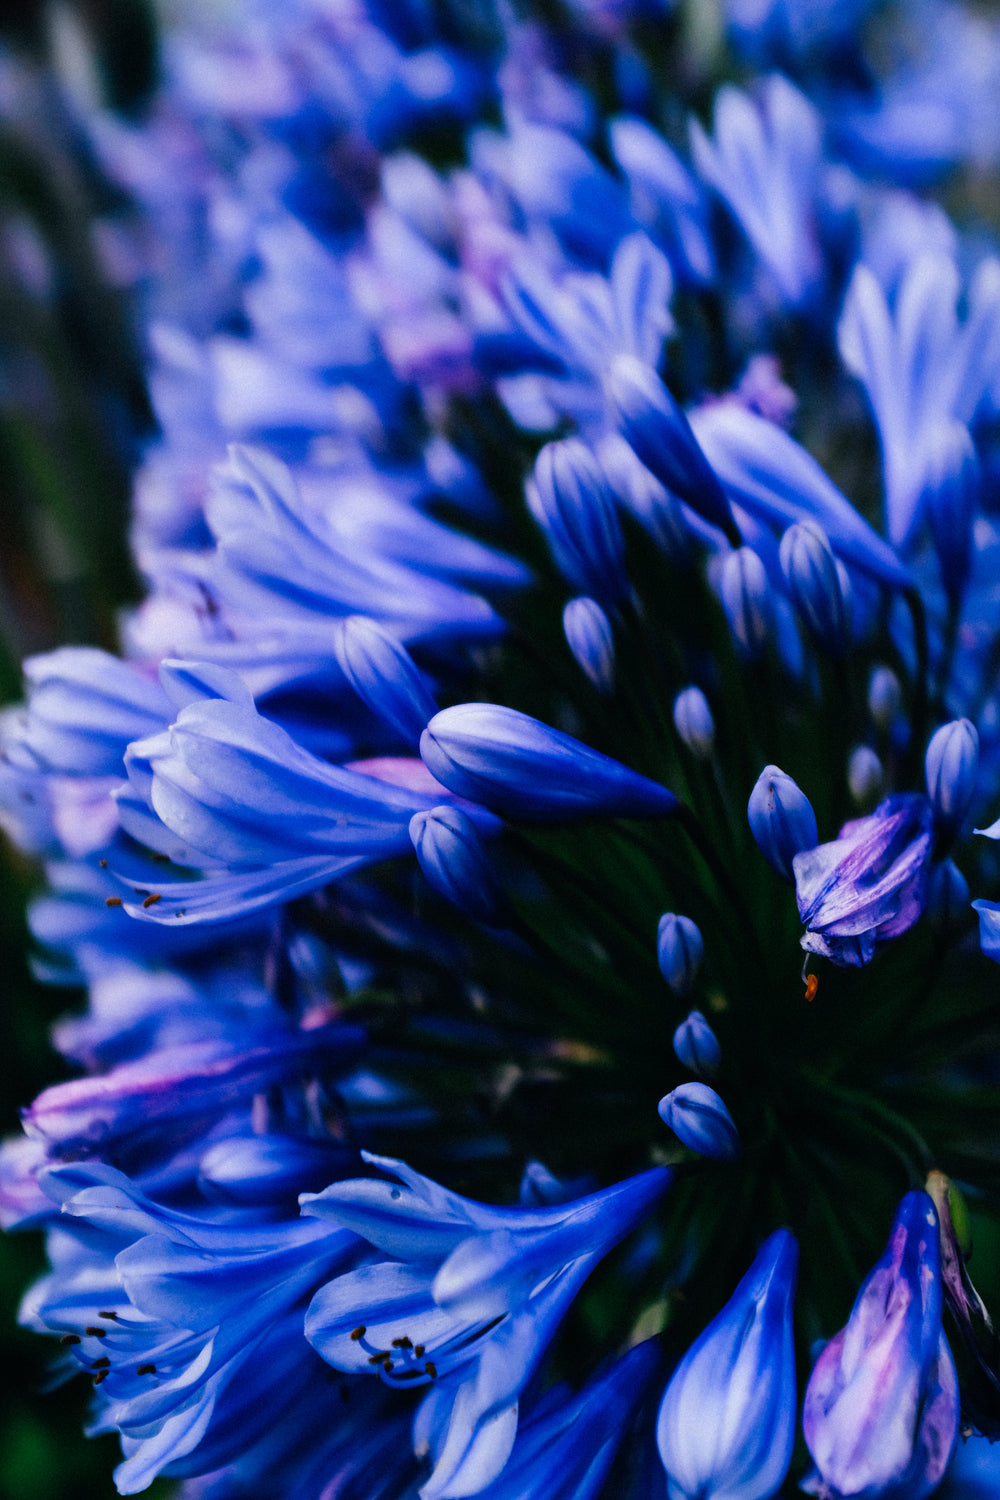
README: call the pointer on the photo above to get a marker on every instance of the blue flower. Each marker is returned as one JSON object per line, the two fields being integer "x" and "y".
{"x": 781, "y": 820}
{"x": 700, "y": 1119}
{"x": 726, "y": 1426}
{"x": 468, "y": 1290}
{"x": 881, "y": 1408}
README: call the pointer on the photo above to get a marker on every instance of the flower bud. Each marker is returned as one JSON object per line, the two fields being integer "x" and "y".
{"x": 885, "y": 697}
{"x": 746, "y": 598}
{"x": 952, "y": 486}
{"x": 381, "y": 672}
{"x": 781, "y": 820}
{"x": 701, "y": 1121}
{"x": 726, "y": 1425}
{"x": 571, "y": 500}
{"x": 516, "y": 765}
{"x": 865, "y": 777}
{"x": 810, "y": 570}
{"x": 881, "y": 1407}
{"x": 661, "y": 436}
{"x": 679, "y": 947}
{"x": 951, "y": 765}
{"x": 694, "y": 723}
{"x": 697, "y": 1046}
{"x": 947, "y": 896}
{"x": 451, "y": 853}
{"x": 588, "y": 634}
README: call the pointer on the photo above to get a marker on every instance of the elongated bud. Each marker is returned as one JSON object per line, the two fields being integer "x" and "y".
{"x": 571, "y": 500}
{"x": 810, "y": 570}
{"x": 694, "y": 723}
{"x": 865, "y": 776}
{"x": 951, "y": 764}
{"x": 697, "y": 1046}
{"x": 661, "y": 436}
{"x": 679, "y": 948}
{"x": 641, "y": 493}
{"x": 726, "y": 1424}
{"x": 885, "y": 697}
{"x": 881, "y": 1407}
{"x": 953, "y": 485}
{"x": 781, "y": 820}
{"x": 381, "y": 672}
{"x": 516, "y": 765}
{"x": 451, "y": 853}
{"x": 588, "y": 634}
{"x": 947, "y": 896}
{"x": 701, "y": 1121}
{"x": 746, "y": 598}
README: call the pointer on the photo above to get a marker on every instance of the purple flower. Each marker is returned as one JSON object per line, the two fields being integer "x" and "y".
{"x": 869, "y": 884}
{"x": 881, "y": 1408}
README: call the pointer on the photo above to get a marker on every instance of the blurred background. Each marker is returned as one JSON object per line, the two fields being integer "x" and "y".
{"x": 73, "y": 411}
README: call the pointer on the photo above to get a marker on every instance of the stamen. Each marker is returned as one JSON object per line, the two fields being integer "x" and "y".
{"x": 359, "y": 1332}
{"x": 96, "y": 1333}
{"x": 70, "y": 1338}
{"x": 113, "y": 901}
{"x": 101, "y": 1364}
{"x": 418, "y": 1351}
{"x": 812, "y": 985}
{"x": 387, "y": 1367}
{"x": 431, "y": 1370}
{"x": 146, "y": 1370}
{"x": 101, "y": 1375}
{"x": 151, "y": 900}
{"x": 103, "y": 864}
{"x": 111, "y": 1316}
{"x": 376, "y": 1359}
{"x": 403, "y": 1343}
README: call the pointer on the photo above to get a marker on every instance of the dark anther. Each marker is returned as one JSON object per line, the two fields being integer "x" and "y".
{"x": 376, "y": 1359}
{"x": 403, "y": 1343}
{"x": 151, "y": 900}
{"x": 70, "y": 1338}
{"x": 101, "y": 1364}
{"x": 103, "y": 864}
{"x": 113, "y": 901}
{"x": 146, "y": 1370}
{"x": 99, "y": 1376}
{"x": 358, "y": 1333}
{"x": 419, "y": 1351}
{"x": 96, "y": 1333}
{"x": 387, "y": 1367}
{"x": 112, "y": 1317}
{"x": 431, "y": 1370}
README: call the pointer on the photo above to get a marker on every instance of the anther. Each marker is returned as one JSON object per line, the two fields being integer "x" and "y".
{"x": 387, "y": 1367}
{"x": 103, "y": 864}
{"x": 151, "y": 900}
{"x": 376, "y": 1359}
{"x": 403, "y": 1343}
{"x": 101, "y": 1364}
{"x": 70, "y": 1338}
{"x": 419, "y": 1351}
{"x": 96, "y": 1333}
{"x": 100, "y": 1375}
{"x": 359, "y": 1332}
{"x": 113, "y": 901}
{"x": 112, "y": 1317}
{"x": 146, "y": 1370}
{"x": 812, "y": 985}
{"x": 431, "y": 1370}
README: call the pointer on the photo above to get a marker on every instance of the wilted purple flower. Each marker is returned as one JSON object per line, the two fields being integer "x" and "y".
{"x": 869, "y": 884}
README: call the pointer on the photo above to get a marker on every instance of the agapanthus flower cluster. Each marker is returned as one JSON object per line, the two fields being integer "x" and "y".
{"x": 521, "y": 864}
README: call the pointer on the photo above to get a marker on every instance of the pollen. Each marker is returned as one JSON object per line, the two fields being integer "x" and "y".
{"x": 812, "y": 985}
{"x": 151, "y": 900}
{"x": 113, "y": 901}
{"x": 359, "y": 1332}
